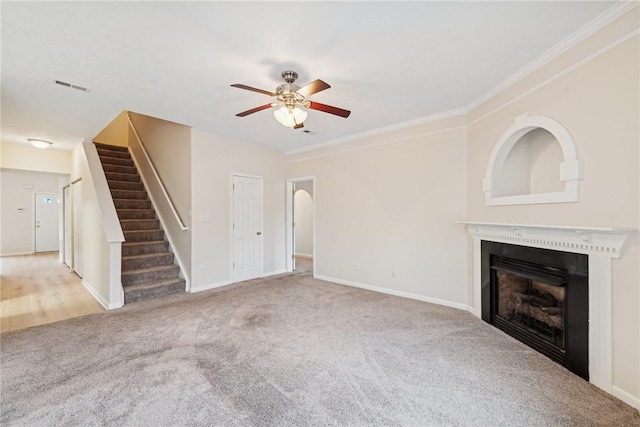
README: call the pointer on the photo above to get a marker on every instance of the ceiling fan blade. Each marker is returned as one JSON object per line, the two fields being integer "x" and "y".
{"x": 313, "y": 87}
{"x": 254, "y": 110}
{"x": 329, "y": 109}
{"x": 265, "y": 92}
{"x": 298, "y": 126}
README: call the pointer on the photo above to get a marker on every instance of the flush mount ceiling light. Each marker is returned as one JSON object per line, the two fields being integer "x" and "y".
{"x": 40, "y": 143}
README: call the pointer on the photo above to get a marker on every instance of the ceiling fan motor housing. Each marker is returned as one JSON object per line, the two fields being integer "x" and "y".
{"x": 289, "y": 76}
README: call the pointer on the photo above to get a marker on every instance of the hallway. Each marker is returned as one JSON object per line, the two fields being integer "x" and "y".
{"x": 36, "y": 289}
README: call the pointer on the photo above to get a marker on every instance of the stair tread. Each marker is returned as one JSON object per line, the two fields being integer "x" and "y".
{"x": 154, "y": 268}
{"x": 111, "y": 147}
{"x": 157, "y": 283}
{"x": 151, "y": 255}
{"x": 151, "y": 230}
{"x": 144, "y": 242}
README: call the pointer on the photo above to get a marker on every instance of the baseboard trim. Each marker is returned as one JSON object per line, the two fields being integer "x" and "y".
{"x": 99, "y": 297}
{"x": 17, "y": 253}
{"x": 626, "y": 397}
{"x": 196, "y": 289}
{"x": 305, "y": 256}
{"x": 274, "y": 273}
{"x": 395, "y": 293}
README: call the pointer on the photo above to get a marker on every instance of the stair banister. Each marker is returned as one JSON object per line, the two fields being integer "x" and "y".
{"x": 157, "y": 177}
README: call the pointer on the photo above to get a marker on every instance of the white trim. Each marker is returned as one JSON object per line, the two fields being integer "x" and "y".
{"x": 99, "y": 298}
{"x": 626, "y": 397}
{"x": 378, "y": 144}
{"x": 196, "y": 289}
{"x": 274, "y": 273}
{"x": 554, "y": 77}
{"x": 571, "y": 169}
{"x": 393, "y": 292}
{"x": 382, "y": 130}
{"x": 289, "y": 221}
{"x": 569, "y": 42}
{"x": 17, "y": 253}
{"x": 601, "y": 244}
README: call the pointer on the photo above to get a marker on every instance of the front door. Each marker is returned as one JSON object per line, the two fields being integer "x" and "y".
{"x": 247, "y": 227}
{"x": 46, "y": 222}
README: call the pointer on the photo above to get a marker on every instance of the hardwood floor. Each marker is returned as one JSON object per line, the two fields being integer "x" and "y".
{"x": 37, "y": 289}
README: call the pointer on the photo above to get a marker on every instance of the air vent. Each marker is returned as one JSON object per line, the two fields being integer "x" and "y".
{"x": 71, "y": 86}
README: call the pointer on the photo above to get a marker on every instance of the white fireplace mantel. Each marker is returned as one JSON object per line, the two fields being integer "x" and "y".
{"x": 601, "y": 244}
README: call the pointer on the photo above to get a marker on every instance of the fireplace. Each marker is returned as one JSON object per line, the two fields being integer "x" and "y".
{"x": 540, "y": 297}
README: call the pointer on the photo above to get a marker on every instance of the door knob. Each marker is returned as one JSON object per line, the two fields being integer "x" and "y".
{"x": 258, "y": 233}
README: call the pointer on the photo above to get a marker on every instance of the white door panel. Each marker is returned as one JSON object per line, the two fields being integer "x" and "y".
{"x": 46, "y": 225}
{"x": 247, "y": 228}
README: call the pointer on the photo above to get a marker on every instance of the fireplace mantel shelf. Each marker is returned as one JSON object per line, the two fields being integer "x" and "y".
{"x": 579, "y": 239}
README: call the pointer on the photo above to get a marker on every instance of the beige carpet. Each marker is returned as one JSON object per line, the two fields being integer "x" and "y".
{"x": 288, "y": 351}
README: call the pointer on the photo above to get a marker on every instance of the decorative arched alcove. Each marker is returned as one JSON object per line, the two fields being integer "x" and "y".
{"x": 511, "y": 169}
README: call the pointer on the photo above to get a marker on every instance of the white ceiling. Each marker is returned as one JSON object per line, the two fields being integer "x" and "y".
{"x": 387, "y": 62}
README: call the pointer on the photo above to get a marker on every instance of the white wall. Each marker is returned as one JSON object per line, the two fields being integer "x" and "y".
{"x": 101, "y": 232}
{"x": 595, "y": 97}
{"x": 386, "y": 208}
{"x": 214, "y": 159}
{"x": 303, "y": 218}
{"x": 17, "y": 232}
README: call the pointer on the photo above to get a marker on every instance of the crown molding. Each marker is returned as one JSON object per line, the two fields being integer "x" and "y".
{"x": 587, "y": 30}
{"x": 381, "y": 130}
{"x": 601, "y": 21}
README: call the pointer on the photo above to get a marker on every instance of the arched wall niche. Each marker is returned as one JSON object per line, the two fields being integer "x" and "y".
{"x": 511, "y": 171}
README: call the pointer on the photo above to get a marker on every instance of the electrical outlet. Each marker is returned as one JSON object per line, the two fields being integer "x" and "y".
{"x": 202, "y": 269}
{"x": 393, "y": 274}
{"x": 355, "y": 267}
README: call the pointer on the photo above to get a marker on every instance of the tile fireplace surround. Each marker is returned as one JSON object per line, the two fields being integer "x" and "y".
{"x": 601, "y": 244}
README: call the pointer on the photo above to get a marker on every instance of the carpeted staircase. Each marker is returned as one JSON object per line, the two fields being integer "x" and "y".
{"x": 148, "y": 270}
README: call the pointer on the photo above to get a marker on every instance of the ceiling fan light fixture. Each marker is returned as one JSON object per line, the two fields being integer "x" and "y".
{"x": 290, "y": 117}
{"x": 40, "y": 143}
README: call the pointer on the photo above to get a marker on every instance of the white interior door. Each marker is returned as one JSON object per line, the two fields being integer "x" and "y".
{"x": 46, "y": 222}
{"x": 76, "y": 221}
{"x": 247, "y": 228}
{"x": 68, "y": 232}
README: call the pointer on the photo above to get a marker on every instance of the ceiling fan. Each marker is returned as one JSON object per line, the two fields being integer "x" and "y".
{"x": 289, "y": 97}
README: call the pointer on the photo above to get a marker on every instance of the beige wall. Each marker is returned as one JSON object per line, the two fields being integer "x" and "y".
{"x": 597, "y": 102}
{"x": 386, "y": 208}
{"x": 26, "y": 157}
{"x": 388, "y": 203}
{"x": 214, "y": 159}
{"x": 116, "y": 132}
{"x": 169, "y": 148}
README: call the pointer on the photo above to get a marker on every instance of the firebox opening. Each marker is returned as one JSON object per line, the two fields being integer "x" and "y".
{"x": 539, "y": 297}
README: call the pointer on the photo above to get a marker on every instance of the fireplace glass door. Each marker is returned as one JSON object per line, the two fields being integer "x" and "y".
{"x": 534, "y": 305}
